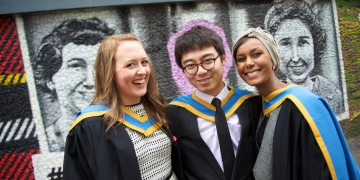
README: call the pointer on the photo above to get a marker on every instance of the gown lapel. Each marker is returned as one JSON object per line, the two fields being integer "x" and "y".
{"x": 244, "y": 131}
{"x": 125, "y": 153}
{"x": 190, "y": 121}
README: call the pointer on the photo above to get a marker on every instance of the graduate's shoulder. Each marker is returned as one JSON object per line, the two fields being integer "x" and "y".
{"x": 180, "y": 100}
{"x": 304, "y": 94}
{"x": 89, "y": 115}
{"x": 247, "y": 94}
{"x": 183, "y": 98}
{"x": 308, "y": 102}
{"x": 243, "y": 91}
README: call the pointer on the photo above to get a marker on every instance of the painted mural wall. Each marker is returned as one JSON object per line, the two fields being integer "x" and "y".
{"x": 46, "y": 64}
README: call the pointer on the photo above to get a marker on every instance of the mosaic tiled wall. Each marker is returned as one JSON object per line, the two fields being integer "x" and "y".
{"x": 18, "y": 137}
{"x": 42, "y": 87}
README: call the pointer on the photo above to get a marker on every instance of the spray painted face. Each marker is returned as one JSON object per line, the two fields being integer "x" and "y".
{"x": 74, "y": 81}
{"x": 296, "y": 50}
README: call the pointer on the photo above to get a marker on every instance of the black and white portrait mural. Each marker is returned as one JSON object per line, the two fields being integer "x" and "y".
{"x": 64, "y": 75}
{"x": 302, "y": 43}
{"x": 59, "y": 50}
{"x": 63, "y": 71}
{"x": 62, "y": 51}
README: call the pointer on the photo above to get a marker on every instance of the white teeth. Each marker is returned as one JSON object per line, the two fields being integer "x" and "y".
{"x": 252, "y": 73}
{"x": 139, "y": 81}
{"x": 297, "y": 67}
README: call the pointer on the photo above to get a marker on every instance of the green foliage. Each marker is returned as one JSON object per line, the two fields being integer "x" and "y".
{"x": 348, "y": 3}
{"x": 352, "y": 128}
{"x": 349, "y": 25}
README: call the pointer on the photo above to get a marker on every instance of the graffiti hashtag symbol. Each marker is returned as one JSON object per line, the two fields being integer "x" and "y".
{"x": 55, "y": 175}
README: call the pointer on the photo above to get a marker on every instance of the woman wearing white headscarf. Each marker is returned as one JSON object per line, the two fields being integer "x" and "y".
{"x": 298, "y": 135}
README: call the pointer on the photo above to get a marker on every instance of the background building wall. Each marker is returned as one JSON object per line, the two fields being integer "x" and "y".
{"x": 34, "y": 113}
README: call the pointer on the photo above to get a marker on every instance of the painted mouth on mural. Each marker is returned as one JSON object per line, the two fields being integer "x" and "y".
{"x": 298, "y": 69}
{"x": 87, "y": 93}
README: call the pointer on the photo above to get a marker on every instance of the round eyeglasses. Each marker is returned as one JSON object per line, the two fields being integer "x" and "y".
{"x": 207, "y": 64}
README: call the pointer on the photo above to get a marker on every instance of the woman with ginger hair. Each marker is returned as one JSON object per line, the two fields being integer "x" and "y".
{"x": 123, "y": 134}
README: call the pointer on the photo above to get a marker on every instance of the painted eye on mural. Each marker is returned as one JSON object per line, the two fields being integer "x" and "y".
{"x": 285, "y": 42}
{"x": 303, "y": 41}
{"x": 76, "y": 63}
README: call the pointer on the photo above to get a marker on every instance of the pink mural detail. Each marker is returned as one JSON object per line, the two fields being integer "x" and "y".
{"x": 177, "y": 72}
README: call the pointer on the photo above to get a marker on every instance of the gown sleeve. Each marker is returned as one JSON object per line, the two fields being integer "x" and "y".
{"x": 296, "y": 154}
{"x": 79, "y": 161}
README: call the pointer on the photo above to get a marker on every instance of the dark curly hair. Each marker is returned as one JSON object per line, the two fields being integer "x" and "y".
{"x": 49, "y": 56}
{"x": 302, "y": 11}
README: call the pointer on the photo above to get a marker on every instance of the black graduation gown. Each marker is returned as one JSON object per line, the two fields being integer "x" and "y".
{"x": 90, "y": 154}
{"x": 192, "y": 158}
{"x": 296, "y": 154}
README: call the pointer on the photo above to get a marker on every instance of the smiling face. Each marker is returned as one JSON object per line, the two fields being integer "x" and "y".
{"x": 132, "y": 71}
{"x": 254, "y": 65}
{"x": 74, "y": 81}
{"x": 296, "y": 50}
{"x": 206, "y": 81}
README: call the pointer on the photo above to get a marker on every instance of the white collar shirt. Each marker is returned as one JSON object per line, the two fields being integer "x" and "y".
{"x": 208, "y": 128}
